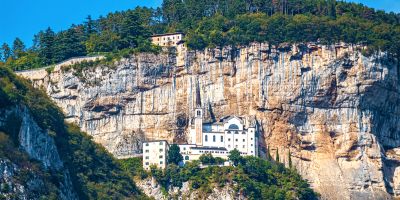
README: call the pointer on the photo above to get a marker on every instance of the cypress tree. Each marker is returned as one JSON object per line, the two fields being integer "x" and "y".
{"x": 277, "y": 155}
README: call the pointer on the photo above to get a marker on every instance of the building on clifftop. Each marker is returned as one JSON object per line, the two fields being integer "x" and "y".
{"x": 172, "y": 40}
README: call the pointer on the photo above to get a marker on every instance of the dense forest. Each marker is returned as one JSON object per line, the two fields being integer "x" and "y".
{"x": 95, "y": 174}
{"x": 209, "y": 23}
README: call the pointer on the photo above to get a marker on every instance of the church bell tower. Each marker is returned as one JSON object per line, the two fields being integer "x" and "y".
{"x": 198, "y": 118}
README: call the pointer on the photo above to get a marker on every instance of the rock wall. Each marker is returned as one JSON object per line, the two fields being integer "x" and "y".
{"x": 333, "y": 110}
{"x": 39, "y": 146}
{"x": 152, "y": 189}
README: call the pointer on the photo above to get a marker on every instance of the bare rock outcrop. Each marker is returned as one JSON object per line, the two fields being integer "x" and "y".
{"x": 335, "y": 111}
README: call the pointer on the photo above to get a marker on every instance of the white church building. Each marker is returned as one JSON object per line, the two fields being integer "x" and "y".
{"x": 218, "y": 138}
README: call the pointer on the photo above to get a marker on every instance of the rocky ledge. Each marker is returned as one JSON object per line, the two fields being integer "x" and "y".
{"x": 332, "y": 109}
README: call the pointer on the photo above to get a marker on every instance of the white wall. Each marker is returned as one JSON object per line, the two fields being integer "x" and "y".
{"x": 210, "y": 141}
{"x": 155, "y": 153}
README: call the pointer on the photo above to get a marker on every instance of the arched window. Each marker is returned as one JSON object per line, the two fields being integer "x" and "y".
{"x": 206, "y": 139}
{"x": 198, "y": 113}
{"x": 214, "y": 138}
{"x": 186, "y": 157}
{"x": 233, "y": 126}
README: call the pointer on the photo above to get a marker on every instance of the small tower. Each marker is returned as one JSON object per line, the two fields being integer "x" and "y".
{"x": 198, "y": 117}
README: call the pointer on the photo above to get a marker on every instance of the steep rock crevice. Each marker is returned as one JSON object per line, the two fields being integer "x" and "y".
{"x": 334, "y": 109}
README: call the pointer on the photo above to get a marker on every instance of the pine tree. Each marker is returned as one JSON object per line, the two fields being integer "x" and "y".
{"x": 18, "y": 48}
{"x": 131, "y": 31}
{"x": 5, "y": 52}
{"x": 269, "y": 157}
{"x": 89, "y": 26}
{"x": 46, "y": 46}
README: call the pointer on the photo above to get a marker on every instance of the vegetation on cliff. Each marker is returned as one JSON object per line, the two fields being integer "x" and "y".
{"x": 253, "y": 177}
{"x": 211, "y": 23}
{"x": 28, "y": 171}
{"x": 95, "y": 173}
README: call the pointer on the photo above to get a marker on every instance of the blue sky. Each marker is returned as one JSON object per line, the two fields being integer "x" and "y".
{"x": 24, "y": 18}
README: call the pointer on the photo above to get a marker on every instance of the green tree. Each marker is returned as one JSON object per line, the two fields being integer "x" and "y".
{"x": 69, "y": 44}
{"x": 46, "y": 46}
{"x": 277, "y": 155}
{"x": 132, "y": 32}
{"x": 18, "y": 48}
{"x": 5, "y": 52}
{"x": 235, "y": 157}
{"x": 174, "y": 155}
{"x": 106, "y": 41}
{"x": 207, "y": 158}
{"x": 173, "y": 10}
{"x": 89, "y": 26}
{"x": 269, "y": 157}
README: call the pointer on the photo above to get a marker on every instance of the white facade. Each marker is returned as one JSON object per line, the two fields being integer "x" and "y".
{"x": 172, "y": 40}
{"x": 155, "y": 153}
{"x": 168, "y": 39}
{"x": 230, "y": 133}
{"x": 216, "y": 138}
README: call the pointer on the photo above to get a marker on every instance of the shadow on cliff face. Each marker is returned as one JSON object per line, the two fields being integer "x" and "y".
{"x": 181, "y": 124}
{"x": 380, "y": 101}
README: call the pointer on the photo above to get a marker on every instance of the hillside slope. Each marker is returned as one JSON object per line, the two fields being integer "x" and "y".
{"x": 43, "y": 158}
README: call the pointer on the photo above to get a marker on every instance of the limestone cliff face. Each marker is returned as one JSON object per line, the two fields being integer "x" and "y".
{"x": 152, "y": 189}
{"x": 335, "y": 111}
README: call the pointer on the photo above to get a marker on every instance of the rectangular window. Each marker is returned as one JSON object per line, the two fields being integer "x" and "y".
{"x": 222, "y": 138}
{"x": 161, "y": 150}
{"x": 147, "y": 163}
{"x": 229, "y": 139}
{"x": 236, "y": 140}
{"x": 251, "y": 144}
{"x": 161, "y": 143}
{"x": 214, "y": 138}
{"x": 244, "y": 146}
{"x": 147, "y": 151}
{"x": 236, "y": 146}
{"x": 251, "y": 138}
{"x": 229, "y": 146}
{"x": 147, "y": 144}
{"x": 147, "y": 158}
{"x": 161, "y": 162}
{"x": 160, "y": 156}
{"x": 244, "y": 140}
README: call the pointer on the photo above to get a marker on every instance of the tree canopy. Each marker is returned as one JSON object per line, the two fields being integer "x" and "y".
{"x": 174, "y": 155}
{"x": 210, "y": 23}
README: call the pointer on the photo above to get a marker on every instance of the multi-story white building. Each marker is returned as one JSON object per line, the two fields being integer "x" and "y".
{"x": 217, "y": 138}
{"x": 155, "y": 153}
